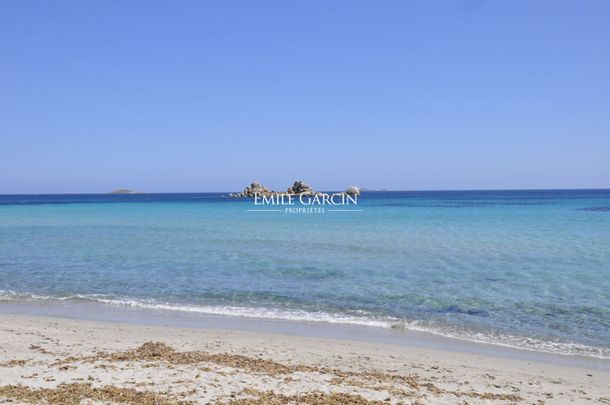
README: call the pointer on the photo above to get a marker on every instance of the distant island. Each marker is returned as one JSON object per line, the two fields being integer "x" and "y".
{"x": 125, "y": 191}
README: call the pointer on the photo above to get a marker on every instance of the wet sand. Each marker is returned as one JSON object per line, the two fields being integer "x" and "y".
{"x": 59, "y": 361}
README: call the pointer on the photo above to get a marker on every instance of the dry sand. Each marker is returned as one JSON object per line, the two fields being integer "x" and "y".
{"x": 61, "y": 361}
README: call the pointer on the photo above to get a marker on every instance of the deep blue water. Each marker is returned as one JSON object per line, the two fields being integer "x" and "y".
{"x": 521, "y": 268}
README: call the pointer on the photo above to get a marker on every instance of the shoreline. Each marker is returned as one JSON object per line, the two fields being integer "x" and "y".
{"x": 109, "y": 313}
{"x": 106, "y": 361}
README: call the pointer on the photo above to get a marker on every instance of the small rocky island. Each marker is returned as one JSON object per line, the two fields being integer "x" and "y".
{"x": 298, "y": 188}
{"x": 124, "y": 191}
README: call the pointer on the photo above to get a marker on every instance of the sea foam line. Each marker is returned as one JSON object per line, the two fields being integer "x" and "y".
{"x": 498, "y": 339}
{"x": 246, "y": 312}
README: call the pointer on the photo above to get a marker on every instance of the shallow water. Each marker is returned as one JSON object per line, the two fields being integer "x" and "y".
{"x": 527, "y": 269}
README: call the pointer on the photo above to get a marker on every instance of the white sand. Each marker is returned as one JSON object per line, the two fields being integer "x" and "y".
{"x": 43, "y": 352}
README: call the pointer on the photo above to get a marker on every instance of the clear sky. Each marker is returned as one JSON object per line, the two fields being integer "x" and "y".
{"x": 210, "y": 95}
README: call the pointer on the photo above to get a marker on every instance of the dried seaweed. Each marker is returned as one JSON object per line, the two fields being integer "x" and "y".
{"x": 75, "y": 393}
{"x": 310, "y": 398}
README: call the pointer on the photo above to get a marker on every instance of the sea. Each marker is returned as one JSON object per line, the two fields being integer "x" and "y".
{"x": 524, "y": 269}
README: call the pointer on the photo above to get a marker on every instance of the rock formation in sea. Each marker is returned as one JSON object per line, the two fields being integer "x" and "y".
{"x": 298, "y": 188}
{"x": 352, "y": 190}
{"x": 255, "y": 188}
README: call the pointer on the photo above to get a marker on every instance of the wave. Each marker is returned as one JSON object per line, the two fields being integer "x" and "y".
{"x": 359, "y": 318}
{"x": 241, "y": 311}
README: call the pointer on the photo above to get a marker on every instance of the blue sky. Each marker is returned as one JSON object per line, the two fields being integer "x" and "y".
{"x": 210, "y": 95}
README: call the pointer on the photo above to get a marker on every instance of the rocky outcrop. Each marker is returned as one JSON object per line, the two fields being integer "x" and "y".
{"x": 252, "y": 190}
{"x": 352, "y": 190}
{"x": 298, "y": 188}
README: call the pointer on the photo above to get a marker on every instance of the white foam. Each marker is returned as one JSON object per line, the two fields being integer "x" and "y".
{"x": 513, "y": 342}
{"x": 258, "y": 313}
{"x": 505, "y": 340}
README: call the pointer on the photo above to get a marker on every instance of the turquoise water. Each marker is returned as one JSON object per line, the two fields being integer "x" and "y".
{"x": 527, "y": 269}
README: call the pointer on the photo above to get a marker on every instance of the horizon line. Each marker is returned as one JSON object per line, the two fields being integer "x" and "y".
{"x": 365, "y": 190}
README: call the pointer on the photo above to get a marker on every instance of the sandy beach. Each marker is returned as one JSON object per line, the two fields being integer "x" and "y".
{"x": 62, "y": 361}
